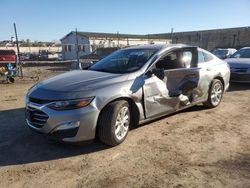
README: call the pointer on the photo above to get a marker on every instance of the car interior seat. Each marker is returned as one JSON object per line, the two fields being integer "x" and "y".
{"x": 166, "y": 63}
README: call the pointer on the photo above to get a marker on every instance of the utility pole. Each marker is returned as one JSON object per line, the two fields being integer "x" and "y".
{"x": 118, "y": 39}
{"x": 172, "y": 31}
{"x": 201, "y": 39}
{"x": 77, "y": 52}
{"x": 18, "y": 61}
{"x": 234, "y": 37}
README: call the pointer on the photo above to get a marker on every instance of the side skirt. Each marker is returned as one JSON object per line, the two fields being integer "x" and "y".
{"x": 167, "y": 114}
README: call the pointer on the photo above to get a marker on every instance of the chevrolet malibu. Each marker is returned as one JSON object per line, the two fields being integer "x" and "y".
{"x": 129, "y": 87}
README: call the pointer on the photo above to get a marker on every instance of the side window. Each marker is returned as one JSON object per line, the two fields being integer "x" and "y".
{"x": 204, "y": 57}
{"x": 207, "y": 57}
{"x": 175, "y": 60}
{"x": 69, "y": 48}
{"x": 187, "y": 58}
{"x": 65, "y": 48}
{"x": 201, "y": 58}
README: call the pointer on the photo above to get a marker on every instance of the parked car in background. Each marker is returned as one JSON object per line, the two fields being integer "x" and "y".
{"x": 8, "y": 56}
{"x": 224, "y": 53}
{"x": 98, "y": 54}
{"x": 130, "y": 86}
{"x": 43, "y": 55}
{"x": 25, "y": 56}
{"x": 239, "y": 64}
{"x": 33, "y": 56}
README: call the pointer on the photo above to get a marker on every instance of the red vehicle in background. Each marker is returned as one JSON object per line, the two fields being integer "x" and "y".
{"x": 8, "y": 56}
{"x": 8, "y": 62}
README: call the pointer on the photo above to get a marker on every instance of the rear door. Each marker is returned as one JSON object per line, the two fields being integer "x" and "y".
{"x": 178, "y": 88}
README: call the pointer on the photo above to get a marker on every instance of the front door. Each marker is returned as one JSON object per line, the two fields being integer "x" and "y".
{"x": 178, "y": 88}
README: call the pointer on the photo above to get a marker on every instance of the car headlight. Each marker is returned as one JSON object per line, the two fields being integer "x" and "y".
{"x": 70, "y": 104}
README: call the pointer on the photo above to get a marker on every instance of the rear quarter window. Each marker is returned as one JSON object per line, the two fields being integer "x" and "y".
{"x": 207, "y": 56}
{"x": 204, "y": 57}
{"x": 201, "y": 57}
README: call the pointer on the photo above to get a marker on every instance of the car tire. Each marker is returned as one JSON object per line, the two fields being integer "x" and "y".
{"x": 114, "y": 122}
{"x": 215, "y": 94}
{"x": 10, "y": 80}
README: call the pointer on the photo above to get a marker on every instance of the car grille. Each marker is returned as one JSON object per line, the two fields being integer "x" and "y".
{"x": 39, "y": 101}
{"x": 36, "y": 117}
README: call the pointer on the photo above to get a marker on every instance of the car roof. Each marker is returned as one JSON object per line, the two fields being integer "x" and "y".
{"x": 245, "y": 48}
{"x": 159, "y": 46}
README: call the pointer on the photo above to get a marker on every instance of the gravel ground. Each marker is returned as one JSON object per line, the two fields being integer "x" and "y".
{"x": 197, "y": 147}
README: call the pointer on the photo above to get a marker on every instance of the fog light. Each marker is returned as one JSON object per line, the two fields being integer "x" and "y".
{"x": 69, "y": 125}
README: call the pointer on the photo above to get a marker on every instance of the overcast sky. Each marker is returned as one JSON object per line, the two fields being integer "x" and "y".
{"x": 52, "y": 19}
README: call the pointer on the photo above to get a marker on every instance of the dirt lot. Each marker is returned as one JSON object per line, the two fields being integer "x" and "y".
{"x": 195, "y": 148}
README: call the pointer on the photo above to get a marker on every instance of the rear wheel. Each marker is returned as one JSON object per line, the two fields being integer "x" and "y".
{"x": 215, "y": 94}
{"x": 114, "y": 122}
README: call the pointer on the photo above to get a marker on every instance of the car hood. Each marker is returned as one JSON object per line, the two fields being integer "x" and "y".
{"x": 74, "y": 84}
{"x": 238, "y": 62}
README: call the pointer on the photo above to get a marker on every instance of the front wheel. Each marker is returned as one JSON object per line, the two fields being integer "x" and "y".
{"x": 215, "y": 94}
{"x": 114, "y": 122}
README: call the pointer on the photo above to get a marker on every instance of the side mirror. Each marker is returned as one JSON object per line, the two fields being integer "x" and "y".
{"x": 149, "y": 73}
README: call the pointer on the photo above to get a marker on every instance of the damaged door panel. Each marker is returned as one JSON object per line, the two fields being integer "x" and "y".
{"x": 177, "y": 88}
{"x": 156, "y": 97}
{"x": 183, "y": 82}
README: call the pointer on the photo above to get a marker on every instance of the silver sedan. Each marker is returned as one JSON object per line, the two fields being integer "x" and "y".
{"x": 131, "y": 86}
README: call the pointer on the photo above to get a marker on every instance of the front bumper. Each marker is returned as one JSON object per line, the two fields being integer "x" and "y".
{"x": 68, "y": 126}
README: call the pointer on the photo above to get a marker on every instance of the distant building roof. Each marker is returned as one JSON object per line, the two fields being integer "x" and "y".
{"x": 113, "y": 35}
{"x": 167, "y": 35}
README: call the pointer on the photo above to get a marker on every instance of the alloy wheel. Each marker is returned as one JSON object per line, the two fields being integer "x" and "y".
{"x": 216, "y": 93}
{"x": 122, "y": 123}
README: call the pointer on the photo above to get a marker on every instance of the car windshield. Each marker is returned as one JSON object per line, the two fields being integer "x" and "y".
{"x": 124, "y": 61}
{"x": 220, "y": 52}
{"x": 243, "y": 53}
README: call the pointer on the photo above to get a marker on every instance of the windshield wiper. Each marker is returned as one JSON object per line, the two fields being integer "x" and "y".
{"x": 108, "y": 71}
{"x": 99, "y": 70}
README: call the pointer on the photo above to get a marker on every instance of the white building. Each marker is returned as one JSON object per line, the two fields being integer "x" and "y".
{"x": 89, "y": 41}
